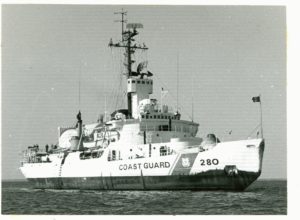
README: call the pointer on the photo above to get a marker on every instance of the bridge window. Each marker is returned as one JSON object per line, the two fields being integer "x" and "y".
{"x": 147, "y": 82}
{"x": 109, "y": 156}
{"x": 143, "y": 82}
{"x": 92, "y": 155}
{"x": 163, "y": 127}
{"x": 113, "y": 157}
{"x": 154, "y": 116}
{"x": 133, "y": 81}
{"x": 138, "y": 81}
{"x": 163, "y": 151}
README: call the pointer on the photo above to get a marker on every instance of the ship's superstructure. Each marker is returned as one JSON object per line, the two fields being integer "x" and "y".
{"x": 145, "y": 146}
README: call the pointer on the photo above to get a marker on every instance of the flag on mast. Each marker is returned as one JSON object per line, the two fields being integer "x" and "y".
{"x": 163, "y": 92}
{"x": 256, "y": 99}
{"x": 162, "y": 95}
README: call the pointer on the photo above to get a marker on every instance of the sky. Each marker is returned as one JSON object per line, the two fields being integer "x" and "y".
{"x": 221, "y": 56}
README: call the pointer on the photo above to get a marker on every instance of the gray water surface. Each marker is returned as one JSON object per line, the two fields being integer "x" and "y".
{"x": 262, "y": 197}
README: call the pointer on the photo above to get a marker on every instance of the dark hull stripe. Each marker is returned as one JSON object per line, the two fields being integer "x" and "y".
{"x": 211, "y": 180}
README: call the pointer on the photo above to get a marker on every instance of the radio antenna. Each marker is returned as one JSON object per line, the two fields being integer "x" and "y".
{"x": 177, "y": 80}
{"x": 79, "y": 87}
{"x": 193, "y": 99}
{"x": 122, "y": 13}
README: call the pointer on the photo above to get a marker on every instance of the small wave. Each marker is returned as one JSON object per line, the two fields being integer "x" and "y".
{"x": 258, "y": 200}
{"x": 23, "y": 189}
{"x": 63, "y": 190}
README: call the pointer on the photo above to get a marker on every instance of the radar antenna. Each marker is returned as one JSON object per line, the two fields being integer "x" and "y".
{"x": 127, "y": 42}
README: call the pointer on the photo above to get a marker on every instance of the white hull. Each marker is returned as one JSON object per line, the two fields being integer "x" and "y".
{"x": 225, "y": 159}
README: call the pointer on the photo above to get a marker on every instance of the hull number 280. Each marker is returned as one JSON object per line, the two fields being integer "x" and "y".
{"x": 209, "y": 162}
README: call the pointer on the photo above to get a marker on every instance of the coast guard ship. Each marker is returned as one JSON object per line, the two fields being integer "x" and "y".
{"x": 143, "y": 147}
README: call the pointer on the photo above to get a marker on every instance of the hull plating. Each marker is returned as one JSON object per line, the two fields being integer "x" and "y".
{"x": 211, "y": 180}
{"x": 181, "y": 172}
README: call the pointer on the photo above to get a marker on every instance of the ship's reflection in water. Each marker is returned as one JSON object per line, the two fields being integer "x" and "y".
{"x": 263, "y": 197}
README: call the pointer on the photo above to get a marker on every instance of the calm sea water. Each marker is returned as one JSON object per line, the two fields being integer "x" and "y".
{"x": 262, "y": 197}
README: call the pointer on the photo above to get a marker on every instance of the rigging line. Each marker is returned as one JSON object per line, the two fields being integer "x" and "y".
{"x": 115, "y": 61}
{"x": 164, "y": 86}
{"x": 177, "y": 82}
{"x": 115, "y": 90}
{"x": 193, "y": 99}
{"x": 172, "y": 95}
{"x": 253, "y": 130}
{"x": 182, "y": 109}
{"x": 118, "y": 75}
{"x": 79, "y": 85}
{"x": 119, "y": 89}
{"x": 113, "y": 69}
{"x": 117, "y": 79}
{"x": 123, "y": 98}
{"x": 124, "y": 85}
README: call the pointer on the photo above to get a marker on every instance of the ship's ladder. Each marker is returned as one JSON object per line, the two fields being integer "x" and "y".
{"x": 62, "y": 163}
{"x": 60, "y": 169}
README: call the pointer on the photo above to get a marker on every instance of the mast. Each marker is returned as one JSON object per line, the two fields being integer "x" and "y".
{"x": 130, "y": 48}
{"x": 79, "y": 88}
{"x": 123, "y": 13}
{"x": 261, "y": 119}
{"x": 177, "y": 72}
{"x": 193, "y": 100}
